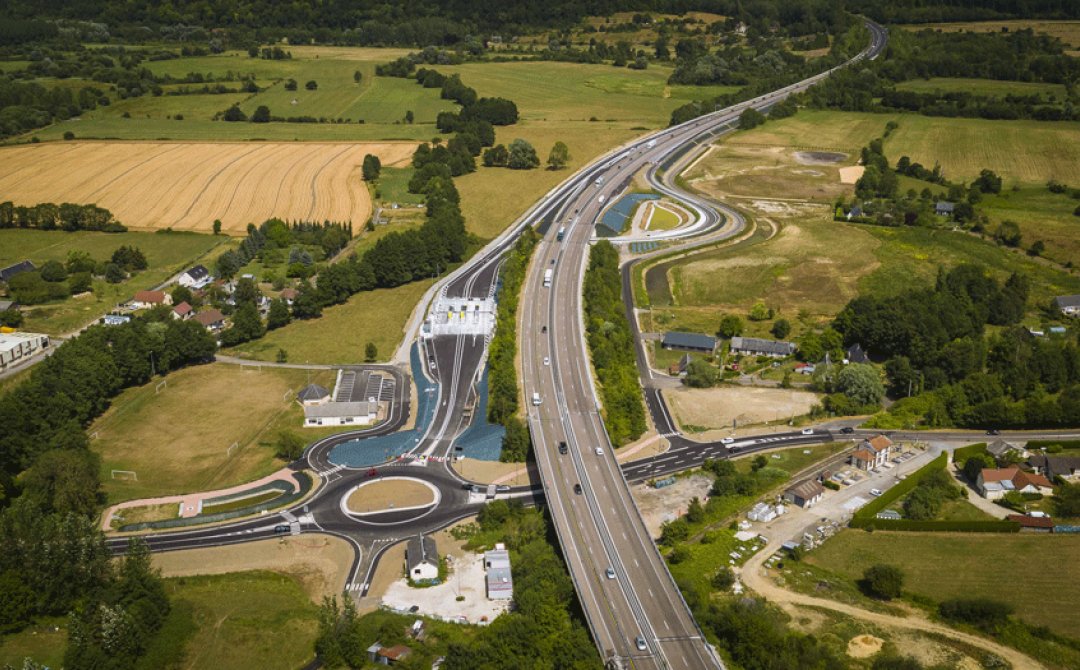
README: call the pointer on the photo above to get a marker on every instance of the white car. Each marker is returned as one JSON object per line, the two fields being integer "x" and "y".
{"x": 727, "y": 440}
{"x": 547, "y": 361}
{"x": 875, "y": 492}
{"x": 807, "y": 431}
{"x": 640, "y": 642}
{"x": 610, "y": 573}
{"x": 599, "y": 451}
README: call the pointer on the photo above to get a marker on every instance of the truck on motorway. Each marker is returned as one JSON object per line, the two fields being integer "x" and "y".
{"x": 548, "y": 275}
{"x": 561, "y": 234}
{"x": 651, "y": 144}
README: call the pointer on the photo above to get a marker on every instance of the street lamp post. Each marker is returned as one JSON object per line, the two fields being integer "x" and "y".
{"x": 153, "y": 370}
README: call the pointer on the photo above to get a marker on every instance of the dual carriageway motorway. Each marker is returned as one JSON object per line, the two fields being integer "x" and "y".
{"x": 635, "y": 612}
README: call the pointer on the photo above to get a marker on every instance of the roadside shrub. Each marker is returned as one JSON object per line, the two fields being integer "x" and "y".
{"x": 984, "y": 613}
{"x": 882, "y": 581}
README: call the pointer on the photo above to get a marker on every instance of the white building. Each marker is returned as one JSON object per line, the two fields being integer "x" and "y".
{"x": 422, "y": 557}
{"x": 341, "y": 414}
{"x": 500, "y": 581}
{"x": 15, "y": 347}
{"x": 195, "y": 278}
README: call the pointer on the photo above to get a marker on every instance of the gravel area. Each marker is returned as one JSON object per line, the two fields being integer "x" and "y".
{"x": 669, "y": 502}
{"x": 466, "y": 579}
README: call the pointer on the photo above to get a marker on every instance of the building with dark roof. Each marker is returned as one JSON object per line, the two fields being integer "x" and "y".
{"x": 10, "y": 271}
{"x": 211, "y": 319}
{"x": 704, "y": 344}
{"x": 856, "y": 354}
{"x": 313, "y": 394}
{"x": 1033, "y": 524}
{"x": 196, "y": 277}
{"x": 752, "y": 346}
{"x": 1068, "y": 304}
{"x": 422, "y": 558}
{"x": 1066, "y": 467}
{"x": 944, "y": 209}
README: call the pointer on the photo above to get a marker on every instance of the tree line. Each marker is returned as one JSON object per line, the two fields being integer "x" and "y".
{"x": 67, "y": 216}
{"x": 612, "y": 346}
{"x": 1020, "y": 56}
{"x": 490, "y": 111}
{"x": 503, "y": 389}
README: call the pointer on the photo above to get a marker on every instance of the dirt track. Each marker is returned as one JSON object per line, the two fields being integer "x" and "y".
{"x": 186, "y": 186}
{"x": 752, "y": 577}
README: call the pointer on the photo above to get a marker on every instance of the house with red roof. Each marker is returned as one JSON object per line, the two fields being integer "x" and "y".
{"x": 995, "y": 484}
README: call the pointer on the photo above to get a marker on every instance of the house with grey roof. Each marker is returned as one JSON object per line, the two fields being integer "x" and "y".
{"x": 422, "y": 558}
{"x": 1068, "y": 304}
{"x": 341, "y": 414}
{"x": 313, "y": 394}
{"x": 752, "y": 346}
{"x": 944, "y": 209}
{"x": 704, "y": 344}
{"x": 806, "y": 493}
{"x": 10, "y": 271}
{"x": 500, "y": 581}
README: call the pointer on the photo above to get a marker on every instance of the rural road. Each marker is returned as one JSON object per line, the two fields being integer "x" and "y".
{"x": 753, "y": 577}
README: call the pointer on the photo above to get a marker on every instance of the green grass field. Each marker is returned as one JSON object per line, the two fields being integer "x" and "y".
{"x": 1021, "y": 152}
{"x": 394, "y": 186}
{"x": 40, "y": 642}
{"x": 546, "y": 91}
{"x": 1041, "y": 215}
{"x": 663, "y": 219}
{"x": 948, "y": 565}
{"x": 909, "y": 257}
{"x": 987, "y": 87}
{"x": 247, "y": 621}
{"x": 166, "y": 254}
{"x": 812, "y": 264}
{"x": 342, "y": 332}
{"x": 155, "y": 435}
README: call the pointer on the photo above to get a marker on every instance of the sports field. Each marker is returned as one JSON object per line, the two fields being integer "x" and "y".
{"x": 188, "y": 186}
{"x": 1021, "y": 152}
{"x": 176, "y": 439}
{"x": 953, "y": 565}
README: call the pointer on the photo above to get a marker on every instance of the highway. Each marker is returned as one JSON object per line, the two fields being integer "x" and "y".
{"x": 635, "y": 612}
{"x": 636, "y": 615}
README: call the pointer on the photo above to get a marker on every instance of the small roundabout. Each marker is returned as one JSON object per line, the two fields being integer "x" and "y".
{"x": 390, "y": 501}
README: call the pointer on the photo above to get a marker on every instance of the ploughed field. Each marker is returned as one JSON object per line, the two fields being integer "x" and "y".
{"x": 186, "y": 186}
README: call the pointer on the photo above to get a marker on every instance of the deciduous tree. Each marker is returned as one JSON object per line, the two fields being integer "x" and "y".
{"x": 559, "y": 156}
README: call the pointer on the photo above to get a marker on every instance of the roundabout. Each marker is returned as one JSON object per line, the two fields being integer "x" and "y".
{"x": 390, "y": 501}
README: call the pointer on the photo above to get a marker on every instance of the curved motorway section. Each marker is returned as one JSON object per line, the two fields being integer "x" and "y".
{"x": 634, "y": 610}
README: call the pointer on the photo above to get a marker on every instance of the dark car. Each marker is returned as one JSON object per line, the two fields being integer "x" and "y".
{"x": 371, "y": 473}
{"x": 414, "y": 609}
{"x": 281, "y": 529}
{"x": 577, "y": 489}
{"x": 562, "y": 448}
{"x": 993, "y": 431}
{"x": 847, "y": 430}
{"x": 467, "y": 486}
{"x": 543, "y": 329}
{"x": 733, "y": 449}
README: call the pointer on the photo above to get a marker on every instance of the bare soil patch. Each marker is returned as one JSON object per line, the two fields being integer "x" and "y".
{"x": 389, "y": 494}
{"x": 864, "y": 646}
{"x": 719, "y": 407}
{"x": 319, "y": 562}
{"x": 669, "y": 502}
{"x": 818, "y": 157}
{"x": 186, "y": 186}
{"x": 851, "y": 174}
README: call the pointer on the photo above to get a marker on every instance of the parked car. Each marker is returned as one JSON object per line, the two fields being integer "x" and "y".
{"x": 414, "y": 609}
{"x": 847, "y": 430}
{"x": 875, "y": 492}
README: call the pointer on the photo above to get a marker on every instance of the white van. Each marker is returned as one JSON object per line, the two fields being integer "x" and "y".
{"x": 536, "y": 398}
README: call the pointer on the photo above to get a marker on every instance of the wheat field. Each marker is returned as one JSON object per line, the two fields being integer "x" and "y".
{"x": 186, "y": 186}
